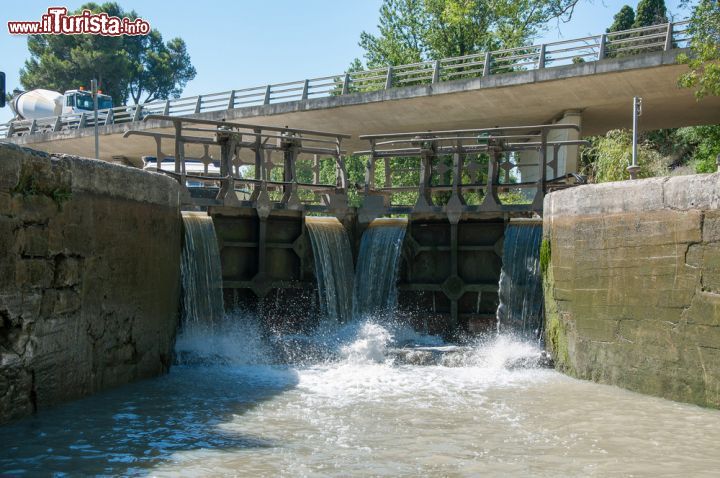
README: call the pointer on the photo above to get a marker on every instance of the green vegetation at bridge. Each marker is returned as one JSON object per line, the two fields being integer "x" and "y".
{"x": 142, "y": 68}
{"x": 420, "y": 30}
{"x": 667, "y": 151}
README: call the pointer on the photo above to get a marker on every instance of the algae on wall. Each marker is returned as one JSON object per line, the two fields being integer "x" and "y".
{"x": 556, "y": 339}
{"x": 632, "y": 285}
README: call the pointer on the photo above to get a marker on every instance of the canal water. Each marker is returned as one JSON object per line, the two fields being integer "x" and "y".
{"x": 361, "y": 395}
{"x": 363, "y": 412}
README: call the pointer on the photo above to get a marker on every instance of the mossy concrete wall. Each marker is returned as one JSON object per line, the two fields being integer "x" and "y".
{"x": 89, "y": 277}
{"x": 632, "y": 285}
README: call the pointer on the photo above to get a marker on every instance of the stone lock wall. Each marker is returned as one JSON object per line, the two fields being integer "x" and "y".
{"x": 89, "y": 277}
{"x": 632, "y": 285}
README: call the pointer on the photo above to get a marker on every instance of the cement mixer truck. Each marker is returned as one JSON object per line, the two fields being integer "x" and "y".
{"x": 36, "y": 104}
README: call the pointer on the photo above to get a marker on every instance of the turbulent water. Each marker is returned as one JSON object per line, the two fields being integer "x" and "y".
{"x": 377, "y": 266}
{"x": 520, "y": 290}
{"x": 333, "y": 266}
{"x": 363, "y": 398}
{"x": 361, "y": 412}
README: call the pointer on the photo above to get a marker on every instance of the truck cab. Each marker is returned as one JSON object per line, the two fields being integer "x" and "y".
{"x": 81, "y": 101}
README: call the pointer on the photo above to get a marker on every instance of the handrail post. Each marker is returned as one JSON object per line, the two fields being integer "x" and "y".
{"x": 669, "y": 37}
{"x": 541, "y": 57}
{"x": 487, "y": 64}
{"x": 166, "y": 109}
{"x": 33, "y": 127}
{"x": 56, "y": 127}
{"x": 231, "y": 100}
{"x": 389, "y": 78}
{"x": 346, "y": 84}
{"x": 198, "y": 104}
{"x": 179, "y": 152}
{"x": 266, "y": 101}
{"x": 110, "y": 118}
{"x": 436, "y": 72}
{"x": 81, "y": 123}
{"x": 306, "y": 87}
{"x": 11, "y": 130}
{"x": 602, "y": 47}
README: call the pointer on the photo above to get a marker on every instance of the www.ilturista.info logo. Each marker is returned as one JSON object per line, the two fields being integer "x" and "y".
{"x": 58, "y": 22}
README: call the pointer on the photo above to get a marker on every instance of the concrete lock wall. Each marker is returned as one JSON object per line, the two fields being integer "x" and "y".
{"x": 632, "y": 285}
{"x": 89, "y": 277}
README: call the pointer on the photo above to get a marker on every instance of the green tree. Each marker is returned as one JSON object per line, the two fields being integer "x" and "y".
{"x": 418, "y": 30}
{"x": 160, "y": 70}
{"x": 125, "y": 66}
{"x": 650, "y": 12}
{"x": 623, "y": 20}
{"x": 402, "y": 26}
{"x": 704, "y": 61}
{"x": 706, "y": 146}
{"x": 608, "y": 157}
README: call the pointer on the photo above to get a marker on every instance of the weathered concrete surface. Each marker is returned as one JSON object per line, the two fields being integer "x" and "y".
{"x": 632, "y": 285}
{"x": 601, "y": 90}
{"x": 89, "y": 277}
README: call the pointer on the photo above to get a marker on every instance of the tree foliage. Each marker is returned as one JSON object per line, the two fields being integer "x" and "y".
{"x": 141, "y": 67}
{"x": 704, "y": 62}
{"x": 609, "y": 156}
{"x": 650, "y": 12}
{"x": 416, "y": 30}
{"x": 705, "y": 143}
{"x": 623, "y": 20}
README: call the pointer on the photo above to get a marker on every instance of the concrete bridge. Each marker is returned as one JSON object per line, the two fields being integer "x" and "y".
{"x": 588, "y": 82}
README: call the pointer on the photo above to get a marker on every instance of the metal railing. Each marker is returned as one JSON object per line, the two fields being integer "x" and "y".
{"x": 446, "y": 171}
{"x": 593, "y": 48}
{"x": 277, "y": 168}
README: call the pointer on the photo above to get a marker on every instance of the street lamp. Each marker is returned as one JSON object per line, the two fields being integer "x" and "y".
{"x": 633, "y": 169}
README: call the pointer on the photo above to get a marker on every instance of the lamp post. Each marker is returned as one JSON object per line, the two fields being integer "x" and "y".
{"x": 633, "y": 169}
{"x": 94, "y": 88}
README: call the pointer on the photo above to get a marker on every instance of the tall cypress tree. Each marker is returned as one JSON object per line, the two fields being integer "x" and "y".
{"x": 623, "y": 20}
{"x": 650, "y": 12}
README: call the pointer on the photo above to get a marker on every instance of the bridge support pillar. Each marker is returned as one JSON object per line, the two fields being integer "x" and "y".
{"x": 567, "y": 156}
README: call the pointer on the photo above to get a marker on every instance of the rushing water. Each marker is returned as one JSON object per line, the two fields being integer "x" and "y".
{"x": 363, "y": 414}
{"x": 377, "y": 266}
{"x": 333, "y": 266}
{"x": 352, "y": 399}
{"x": 520, "y": 289}
{"x": 201, "y": 272}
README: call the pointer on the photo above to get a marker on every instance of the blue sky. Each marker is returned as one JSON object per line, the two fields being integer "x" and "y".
{"x": 241, "y": 43}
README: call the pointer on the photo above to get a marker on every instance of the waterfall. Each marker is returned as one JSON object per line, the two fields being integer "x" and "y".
{"x": 201, "y": 272}
{"x": 521, "y": 298}
{"x": 333, "y": 266}
{"x": 377, "y": 267}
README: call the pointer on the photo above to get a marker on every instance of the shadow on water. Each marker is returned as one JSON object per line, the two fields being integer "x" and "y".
{"x": 128, "y": 430}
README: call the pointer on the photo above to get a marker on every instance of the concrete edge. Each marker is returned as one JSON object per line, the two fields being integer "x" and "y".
{"x": 682, "y": 193}
{"x": 88, "y": 175}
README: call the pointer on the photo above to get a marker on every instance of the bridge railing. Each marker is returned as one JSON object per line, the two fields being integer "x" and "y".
{"x": 465, "y": 171}
{"x": 525, "y": 58}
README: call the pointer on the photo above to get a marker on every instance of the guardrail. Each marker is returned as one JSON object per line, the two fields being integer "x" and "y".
{"x": 463, "y": 171}
{"x": 593, "y": 48}
{"x": 283, "y": 168}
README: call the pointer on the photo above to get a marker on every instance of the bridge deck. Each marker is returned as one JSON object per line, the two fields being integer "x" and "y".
{"x": 537, "y": 90}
